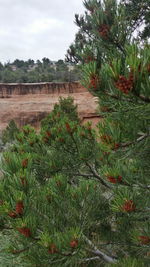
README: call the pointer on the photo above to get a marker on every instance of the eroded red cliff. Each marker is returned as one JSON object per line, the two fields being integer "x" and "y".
{"x": 29, "y": 103}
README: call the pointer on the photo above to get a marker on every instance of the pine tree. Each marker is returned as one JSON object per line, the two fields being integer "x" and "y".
{"x": 139, "y": 11}
{"x": 76, "y": 196}
{"x": 9, "y": 134}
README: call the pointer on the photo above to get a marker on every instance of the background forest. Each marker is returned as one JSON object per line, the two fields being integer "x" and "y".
{"x": 29, "y": 71}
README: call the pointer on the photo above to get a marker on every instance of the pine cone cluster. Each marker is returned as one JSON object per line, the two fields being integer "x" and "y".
{"x": 148, "y": 68}
{"x": 68, "y": 128}
{"x": 125, "y": 85}
{"x": 19, "y": 207}
{"x": 104, "y": 31}
{"x": 74, "y": 243}
{"x": 144, "y": 240}
{"x": 89, "y": 59}
{"x": 106, "y": 139}
{"x": 18, "y": 210}
{"x": 24, "y": 163}
{"x": 94, "y": 81}
{"x": 52, "y": 249}
{"x": 25, "y": 231}
{"x": 12, "y": 214}
{"x": 23, "y": 181}
{"x": 114, "y": 180}
{"x": 128, "y": 206}
{"x": 47, "y": 136}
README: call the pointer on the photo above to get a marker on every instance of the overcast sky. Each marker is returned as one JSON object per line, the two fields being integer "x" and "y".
{"x": 37, "y": 28}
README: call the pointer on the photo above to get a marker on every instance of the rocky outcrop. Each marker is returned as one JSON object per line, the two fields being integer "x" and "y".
{"x": 30, "y": 103}
{"x": 8, "y": 90}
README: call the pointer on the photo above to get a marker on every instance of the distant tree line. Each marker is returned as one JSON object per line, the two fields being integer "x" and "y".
{"x": 20, "y": 71}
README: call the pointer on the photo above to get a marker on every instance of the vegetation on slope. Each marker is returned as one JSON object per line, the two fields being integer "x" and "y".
{"x": 21, "y": 71}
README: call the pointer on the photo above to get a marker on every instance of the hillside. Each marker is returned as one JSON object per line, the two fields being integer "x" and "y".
{"x": 30, "y": 71}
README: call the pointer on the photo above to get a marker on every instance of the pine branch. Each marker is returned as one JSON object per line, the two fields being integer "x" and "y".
{"x": 20, "y": 251}
{"x": 99, "y": 253}
{"x": 86, "y": 175}
{"x": 138, "y": 16}
{"x": 118, "y": 45}
{"x": 90, "y": 259}
{"x": 134, "y": 142}
{"x": 53, "y": 262}
{"x": 68, "y": 254}
{"x": 76, "y": 146}
{"x": 118, "y": 98}
{"x": 145, "y": 99}
{"x": 95, "y": 174}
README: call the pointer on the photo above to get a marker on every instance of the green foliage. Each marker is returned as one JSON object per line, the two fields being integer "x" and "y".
{"x": 9, "y": 134}
{"x": 129, "y": 263}
{"x": 115, "y": 68}
{"x": 139, "y": 12}
{"x": 75, "y": 196}
{"x": 105, "y": 29}
{"x": 61, "y": 177}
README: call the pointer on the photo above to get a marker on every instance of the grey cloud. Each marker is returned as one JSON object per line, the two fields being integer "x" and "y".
{"x": 36, "y": 29}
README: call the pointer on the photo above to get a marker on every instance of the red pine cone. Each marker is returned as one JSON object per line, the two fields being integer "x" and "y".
{"x": 94, "y": 81}
{"x": 104, "y": 31}
{"x": 128, "y": 206}
{"x": 12, "y": 214}
{"x": 25, "y": 231}
{"x": 144, "y": 239}
{"x": 116, "y": 146}
{"x": 148, "y": 68}
{"x": 68, "y": 127}
{"x": 119, "y": 178}
{"x": 125, "y": 85}
{"x": 89, "y": 59}
{"x": 52, "y": 249}
{"x": 48, "y": 133}
{"x": 19, "y": 207}
{"x": 114, "y": 180}
{"x": 23, "y": 181}
{"x": 74, "y": 243}
{"x": 24, "y": 163}
{"x": 106, "y": 139}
